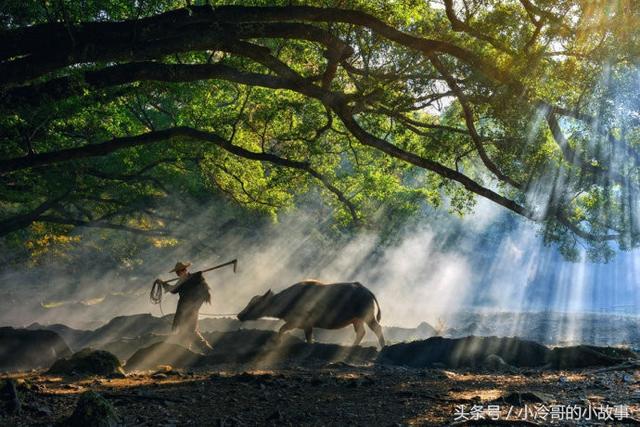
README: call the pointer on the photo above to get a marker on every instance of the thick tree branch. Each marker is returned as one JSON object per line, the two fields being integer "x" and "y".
{"x": 32, "y": 52}
{"x": 594, "y": 237}
{"x": 594, "y": 123}
{"x": 21, "y": 221}
{"x": 184, "y": 134}
{"x": 370, "y": 140}
{"x": 462, "y": 26}
{"x": 115, "y": 75}
{"x": 602, "y": 170}
{"x": 174, "y": 32}
{"x": 52, "y": 219}
{"x": 195, "y": 38}
{"x": 469, "y": 120}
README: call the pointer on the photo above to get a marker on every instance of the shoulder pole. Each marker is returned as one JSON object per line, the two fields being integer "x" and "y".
{"x": 156, "y": 289}
{"x": 234, "y": 262}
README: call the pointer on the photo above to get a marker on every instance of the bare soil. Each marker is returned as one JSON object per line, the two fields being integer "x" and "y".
{"x": 334, "y": 394}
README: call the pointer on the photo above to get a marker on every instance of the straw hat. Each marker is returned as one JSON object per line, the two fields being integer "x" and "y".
{"x": 180, "y": 266}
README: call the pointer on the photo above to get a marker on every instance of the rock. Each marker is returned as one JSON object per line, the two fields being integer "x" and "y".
{"x": 238, "y": 346}
{"x": 275, "y": 416}
{"x": 339, "y": 365}
{"x": 125, "y": 347}
{"x": 495, "y": 363}
{"x": 583, "y": 356}
{"x": 40, "y": 409}
{"x": 93, "y": 410}
{"x": 473, "y": 352}
{"x": 72, "y": 387}
{"x": 75, "y": 338}
{"x": 9, "y": 397}
{"x": 228, "y": 422}
{"x": 253, "y": 346}
{"x": 535, "y": 397}
{"x": 116, "y": 375}
{"x": 316, "y": 381}
{"x": 520, "y": 398}
{"x": 464, "y": 352}
{"x": 162, "y": 353}
{"x": 137, "y": 325}
{"x": 88, "y": 362}
{"x": 22, "y": 349}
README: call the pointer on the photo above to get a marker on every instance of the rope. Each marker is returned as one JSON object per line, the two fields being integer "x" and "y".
{"x": 156, "y": 298}
{"x": 156, "y": 294}
{"x": 156, "y": 290}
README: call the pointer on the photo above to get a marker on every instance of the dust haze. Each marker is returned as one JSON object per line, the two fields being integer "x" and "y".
{"x": 442, "y": 269}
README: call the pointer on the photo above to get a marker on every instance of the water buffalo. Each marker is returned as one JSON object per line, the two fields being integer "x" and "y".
{"x": 312, "y": 304}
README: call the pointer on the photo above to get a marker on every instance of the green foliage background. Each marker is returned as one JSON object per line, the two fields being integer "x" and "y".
{"x": 577, "y": 56}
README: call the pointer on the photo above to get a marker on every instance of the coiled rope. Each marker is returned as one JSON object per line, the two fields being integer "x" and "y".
{"x": 156, "y": 298}
{"x": 156, "y": 294}
{"x": 156, "y": 290}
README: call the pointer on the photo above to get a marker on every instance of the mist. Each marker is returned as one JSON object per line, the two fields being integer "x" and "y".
{"x": 487, "y": 272}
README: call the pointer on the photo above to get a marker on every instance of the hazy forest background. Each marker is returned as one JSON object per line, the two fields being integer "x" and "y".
{"x": 449, "y": 154}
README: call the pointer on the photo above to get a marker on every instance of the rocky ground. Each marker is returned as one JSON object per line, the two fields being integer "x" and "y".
{"x": 135, "y": 375}
{"x": 338, "y": 394}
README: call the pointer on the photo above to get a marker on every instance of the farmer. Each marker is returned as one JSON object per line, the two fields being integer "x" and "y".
{"x": 193, "y": 291}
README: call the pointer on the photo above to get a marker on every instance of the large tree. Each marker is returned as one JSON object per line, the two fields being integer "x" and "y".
{"x": 108, "y": 106}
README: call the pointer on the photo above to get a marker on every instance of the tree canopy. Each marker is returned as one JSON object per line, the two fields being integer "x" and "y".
{"x": 110, "y": 106}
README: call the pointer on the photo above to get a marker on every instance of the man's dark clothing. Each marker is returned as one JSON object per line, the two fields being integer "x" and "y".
{"x": 193, "y": 292}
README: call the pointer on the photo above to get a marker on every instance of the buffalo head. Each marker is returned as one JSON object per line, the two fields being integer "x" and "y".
{"x": 256, "y": 307}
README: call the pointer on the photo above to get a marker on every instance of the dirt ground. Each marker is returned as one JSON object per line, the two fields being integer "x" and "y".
{"x": 341, "y": 394}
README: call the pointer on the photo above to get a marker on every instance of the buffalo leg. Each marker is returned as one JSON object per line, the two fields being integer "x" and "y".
{"x": 284, "y": 328}
{"x": 359, "y": 327}
{"x": 308, "y": 335}
{"x": 377, "y": 329}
